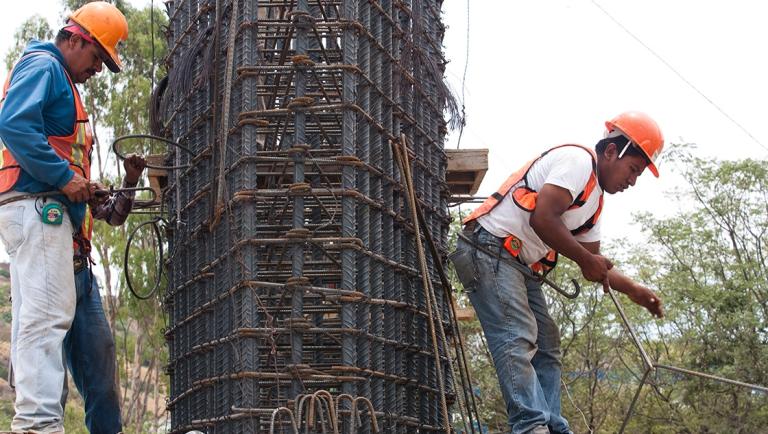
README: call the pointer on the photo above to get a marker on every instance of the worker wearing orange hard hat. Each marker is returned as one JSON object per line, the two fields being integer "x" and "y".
{"x": 45, "y": 150}
{"x": 550, "y": 206}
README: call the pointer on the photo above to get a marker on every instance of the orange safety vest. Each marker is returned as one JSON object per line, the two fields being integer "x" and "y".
{"x": 525, "y": 198}
{"x": 75, "y": 148}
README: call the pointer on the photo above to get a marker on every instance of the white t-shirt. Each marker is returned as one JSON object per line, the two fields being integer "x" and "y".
{"x": 568, "y": 167}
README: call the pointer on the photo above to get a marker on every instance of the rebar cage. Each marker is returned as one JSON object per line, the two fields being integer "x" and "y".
{"x": 293, "y": 264}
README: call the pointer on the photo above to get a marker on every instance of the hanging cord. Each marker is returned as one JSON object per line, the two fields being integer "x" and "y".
{"x": 570, "y": 398}
{"x": 122, "y": 156}
{"x": 154, "y": 223}
{"x": 152, "y": 37}
{"x": 463, "y": 85}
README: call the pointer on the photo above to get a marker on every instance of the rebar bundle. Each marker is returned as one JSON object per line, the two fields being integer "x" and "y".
{"x": 293, "y": 260}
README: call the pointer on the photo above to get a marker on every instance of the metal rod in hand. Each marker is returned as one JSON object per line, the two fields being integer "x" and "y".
{"x": 649, "y": 365}
{"x": 712, "y": 377}
{"x": 631, "y": 410}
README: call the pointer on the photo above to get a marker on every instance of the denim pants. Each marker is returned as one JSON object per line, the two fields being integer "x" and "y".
{"x": 43, "y": 306}
{"x": 90, "y": 353}
{"x": 522, "y": 337}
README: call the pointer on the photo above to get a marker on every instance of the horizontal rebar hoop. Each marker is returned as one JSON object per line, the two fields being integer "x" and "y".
{"x": 293, "y": 264}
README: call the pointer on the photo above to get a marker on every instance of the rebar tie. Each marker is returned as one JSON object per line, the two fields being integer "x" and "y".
{"x": 350, "y": 160}
{"x": 302, "y": 61}
{"x": 301, "y": 101}
{"x": 296, "y": 282}
{"x": 299, "y": 323}
{"x": 299, "y": 148}
{"x": 301, "y": 19}
{"x": 299, "y": 189}
{"x": 298, "y": 233}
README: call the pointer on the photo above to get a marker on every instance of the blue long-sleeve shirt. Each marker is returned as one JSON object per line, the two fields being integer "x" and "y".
{"x": 40, "y": 103}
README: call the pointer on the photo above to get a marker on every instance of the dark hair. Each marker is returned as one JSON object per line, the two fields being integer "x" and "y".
{"x": 620, "y": 142}
{"x": 64, "y": 36}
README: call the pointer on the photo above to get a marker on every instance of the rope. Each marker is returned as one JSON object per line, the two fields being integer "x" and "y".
{"x": 680, "y": 76}
{"x": 159, "y": 270}
{"x": 121, "y": 156}
{"x": 463, "y": 85}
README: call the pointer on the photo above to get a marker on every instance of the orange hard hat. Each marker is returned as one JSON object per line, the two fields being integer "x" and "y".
{"x": 643, "y": 131}
{"x": 105, "y": 23}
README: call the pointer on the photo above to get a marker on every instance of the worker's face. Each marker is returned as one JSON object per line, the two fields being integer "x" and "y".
{"x": 618, "y": 174}
{"x": 85, "y": 59}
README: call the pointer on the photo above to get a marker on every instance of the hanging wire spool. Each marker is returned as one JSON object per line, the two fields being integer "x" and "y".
{"x": 155, "y": 224}
{"x": 121, "y": 156}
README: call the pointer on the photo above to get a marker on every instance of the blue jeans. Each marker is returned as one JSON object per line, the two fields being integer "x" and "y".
{"x": 90, "y": 352}
{"x": 522, "y": 337}
{"x": 43, "y": 305}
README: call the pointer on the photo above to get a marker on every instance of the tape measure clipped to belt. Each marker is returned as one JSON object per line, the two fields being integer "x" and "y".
{"x": 522, "y": 267}
{"x": 52, "y": 213}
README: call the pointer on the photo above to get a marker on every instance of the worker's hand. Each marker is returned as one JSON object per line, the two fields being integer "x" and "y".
{"x": 134, "y": 164}
{"x": 101, "y": 194}
{"x": 78, "y": 189}
{"x": 648, "y": 299}
{"x": 595, "y": 268}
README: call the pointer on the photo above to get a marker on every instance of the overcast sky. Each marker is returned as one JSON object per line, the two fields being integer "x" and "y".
{"x": 542, "y": 73}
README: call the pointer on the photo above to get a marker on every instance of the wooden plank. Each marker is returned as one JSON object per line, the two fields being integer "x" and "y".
{"x": 158, "y": 178}
{"x": 465, "y": 313}
{"x": 460, "y": 160}
{"x": 466, "y": 170}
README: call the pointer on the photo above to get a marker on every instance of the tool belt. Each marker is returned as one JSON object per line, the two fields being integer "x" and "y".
{"x": 80, "y": 263}
{"x": 515, "y": 261}
{"x": 513, "y": 245}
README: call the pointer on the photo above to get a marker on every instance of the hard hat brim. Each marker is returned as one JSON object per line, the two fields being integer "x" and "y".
{"x": 112, "y": 61}
{"x": 653, "y": 169}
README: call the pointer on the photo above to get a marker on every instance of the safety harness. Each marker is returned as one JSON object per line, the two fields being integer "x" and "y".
{"x": 525, "y": 198}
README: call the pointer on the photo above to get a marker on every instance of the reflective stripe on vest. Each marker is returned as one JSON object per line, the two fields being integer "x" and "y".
{"x": 75, "y": 148}
{"x": 525, "y": 198}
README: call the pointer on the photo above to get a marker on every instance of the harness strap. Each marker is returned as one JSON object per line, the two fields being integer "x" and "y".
{"x": 525, "y": 270}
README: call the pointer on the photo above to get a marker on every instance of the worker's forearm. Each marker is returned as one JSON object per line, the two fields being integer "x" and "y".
{"x": 620, "y": 282}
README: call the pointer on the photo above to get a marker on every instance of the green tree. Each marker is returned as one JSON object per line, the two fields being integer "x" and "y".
{"x": 711, "y": 267}
{"x": 35, "y": 27}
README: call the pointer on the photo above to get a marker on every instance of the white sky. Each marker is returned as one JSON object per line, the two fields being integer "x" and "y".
{"x": 542, "y": 73}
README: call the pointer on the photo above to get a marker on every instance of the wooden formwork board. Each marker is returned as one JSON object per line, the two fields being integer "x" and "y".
{"x": 158, "y": 178}
{"x": 466, "y": 169}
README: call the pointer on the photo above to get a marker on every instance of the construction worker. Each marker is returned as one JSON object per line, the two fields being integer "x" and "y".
{"x": 46, "y": 147}
{"x": 551, "y": 206}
